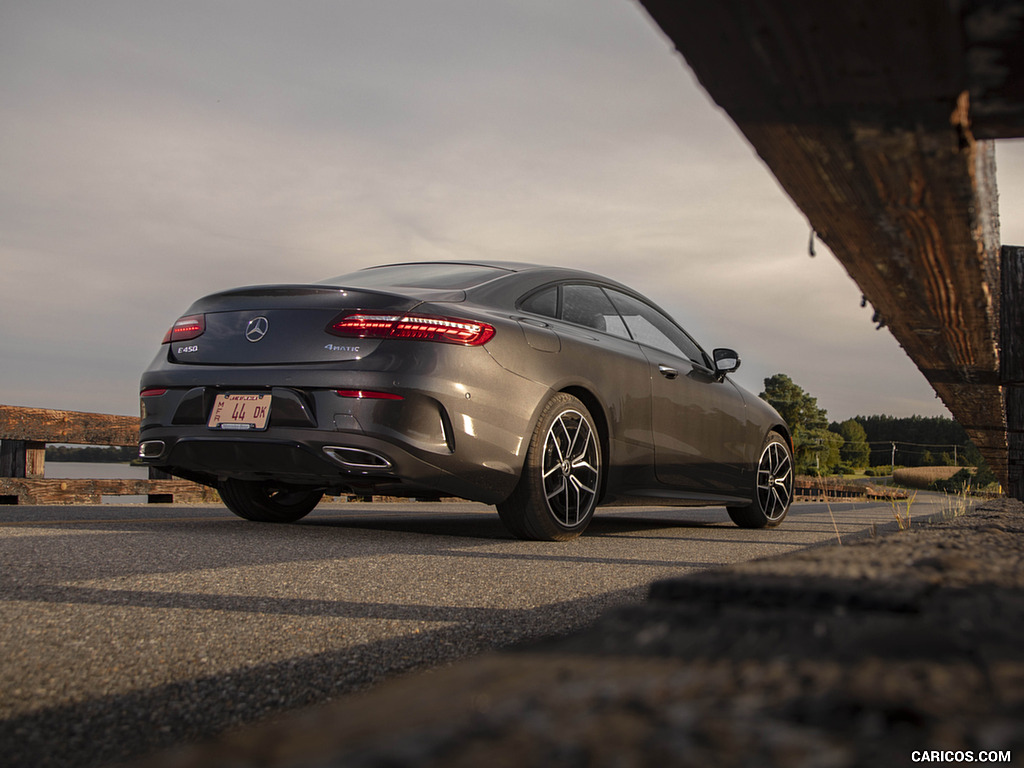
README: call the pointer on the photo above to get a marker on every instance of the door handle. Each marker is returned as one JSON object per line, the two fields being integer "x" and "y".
{"x": 667, "y": 372}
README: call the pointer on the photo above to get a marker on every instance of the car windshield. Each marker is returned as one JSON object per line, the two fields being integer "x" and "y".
{"x": 452, "y": 276}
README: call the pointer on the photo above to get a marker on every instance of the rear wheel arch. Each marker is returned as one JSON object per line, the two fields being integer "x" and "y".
{"x": 597, "y": 413}
{"x": 561, "y": 481}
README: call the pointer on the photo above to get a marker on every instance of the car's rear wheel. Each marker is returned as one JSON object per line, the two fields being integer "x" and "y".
{"x": 559, "y": 488}
{"x": 773, "y": 486}
{"x": 268, "y": 502}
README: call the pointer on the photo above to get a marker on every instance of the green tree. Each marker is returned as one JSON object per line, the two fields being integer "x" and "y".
{"x": 817, "y": 449}
{"x": 912, "y": 434}
{"x": 798, "y": 408}
{"x": 855, "y": 450}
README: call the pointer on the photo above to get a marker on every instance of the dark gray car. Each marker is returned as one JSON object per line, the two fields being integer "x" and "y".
{"x": 543, "y": 391}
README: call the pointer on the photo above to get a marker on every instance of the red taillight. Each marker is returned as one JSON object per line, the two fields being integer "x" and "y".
{"x": 152, "y": 392}
{"x": 367, "y": 394}
{"x": 188, "y": 327}
{"x": 452, "y": 330}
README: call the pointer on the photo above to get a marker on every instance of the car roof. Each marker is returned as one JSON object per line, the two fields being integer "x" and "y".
{"x": 549, "y": 271}
{"x": 489, "y": 288}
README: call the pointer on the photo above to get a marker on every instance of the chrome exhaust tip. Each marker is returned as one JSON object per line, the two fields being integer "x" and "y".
{"x": 357, "y": 458}
{"x": 152, "y": 449}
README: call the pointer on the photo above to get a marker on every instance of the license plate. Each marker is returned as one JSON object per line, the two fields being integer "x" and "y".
{"x": 240, "y": 412}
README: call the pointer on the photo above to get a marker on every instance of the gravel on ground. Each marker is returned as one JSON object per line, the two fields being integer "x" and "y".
{"x": 893, "y": 650}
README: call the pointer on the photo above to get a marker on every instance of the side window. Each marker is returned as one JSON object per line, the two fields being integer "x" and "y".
{"x": 589, "y": 305}
{"x": 543, "y": 302}
{"x": 654, "y": 329}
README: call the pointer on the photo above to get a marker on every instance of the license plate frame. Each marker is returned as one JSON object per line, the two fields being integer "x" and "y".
{"x": 240, "y": 412}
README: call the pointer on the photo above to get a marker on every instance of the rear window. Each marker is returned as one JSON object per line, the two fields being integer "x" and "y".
{"x": 453, "y": 276}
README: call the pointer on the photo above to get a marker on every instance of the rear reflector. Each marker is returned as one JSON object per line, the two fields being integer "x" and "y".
{"x": 452, "y": 330}
{"x": 188, "y": 327}
{"x": 152, "y": 392}
{"x": 367, "y": 394}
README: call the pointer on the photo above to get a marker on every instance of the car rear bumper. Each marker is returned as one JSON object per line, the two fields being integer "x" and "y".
{"x": 354, "y": 463}
{"x": 441, "y": 437}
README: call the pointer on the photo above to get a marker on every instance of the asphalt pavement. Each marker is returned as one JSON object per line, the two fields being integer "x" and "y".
{"x": 125, "y": 630}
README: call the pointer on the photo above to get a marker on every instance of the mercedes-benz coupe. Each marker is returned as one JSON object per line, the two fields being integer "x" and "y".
{"x": 544, "y": 391}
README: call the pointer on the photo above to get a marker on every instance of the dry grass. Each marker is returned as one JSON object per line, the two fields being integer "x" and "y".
{"x": 901, "y": 511}
{"x": 957, "y": 504}
{"x": 922, "y": 477}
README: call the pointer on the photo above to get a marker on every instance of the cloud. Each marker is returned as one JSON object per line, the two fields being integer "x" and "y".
{"x": 151, "y": 153}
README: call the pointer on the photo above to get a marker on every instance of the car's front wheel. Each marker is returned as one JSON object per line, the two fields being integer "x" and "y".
{"x": 773, "y": 486}
{"x": 268, "y": 502}
{"x": 558, "y": 490}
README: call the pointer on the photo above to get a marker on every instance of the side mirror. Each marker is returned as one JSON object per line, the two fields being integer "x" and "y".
{"x": 726, "y": 360}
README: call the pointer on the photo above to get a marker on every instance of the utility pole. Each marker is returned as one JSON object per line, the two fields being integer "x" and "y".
{"x": 893, "y": 462}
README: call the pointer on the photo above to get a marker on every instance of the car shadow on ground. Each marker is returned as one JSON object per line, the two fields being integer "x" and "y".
{"x": 481, "y": 525}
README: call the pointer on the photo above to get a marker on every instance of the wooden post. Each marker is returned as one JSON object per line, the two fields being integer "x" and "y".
{"x": 160, "y": 498}
{"x": 12, "y": 457}
{"x": 1012, "y": 364}
{"x": 22, "y": 458}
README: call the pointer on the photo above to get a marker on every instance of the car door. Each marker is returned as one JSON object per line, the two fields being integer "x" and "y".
{"x": 698, "y": 418}
{"x": 597, "y": 351}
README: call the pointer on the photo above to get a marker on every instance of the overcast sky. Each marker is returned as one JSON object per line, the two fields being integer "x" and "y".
{"x": 154, "y": 152}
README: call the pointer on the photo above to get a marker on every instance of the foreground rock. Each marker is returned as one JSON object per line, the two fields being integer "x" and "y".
{"x": 860, "y": 655}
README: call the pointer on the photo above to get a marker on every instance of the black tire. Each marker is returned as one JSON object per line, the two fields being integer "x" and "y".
{"x": 773, "y": 486}
{"x": 561, "y": 481}
{"x": 267, "y": 502}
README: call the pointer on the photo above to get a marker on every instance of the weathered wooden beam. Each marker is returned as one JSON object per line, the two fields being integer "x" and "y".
{"x": 909, "y": 215}
{"x": 24, "y": 433}
{"x": 862, "y": 112}
{"x": 54, "y": 491}
{"x": 994, "y": 60}
{"x": 1013, "y": 365}
{"x": 76, "y": 427}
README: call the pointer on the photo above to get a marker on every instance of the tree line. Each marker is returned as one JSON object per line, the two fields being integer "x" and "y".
{"x": 863, "y": 442}
{"x": 93, "y": 454}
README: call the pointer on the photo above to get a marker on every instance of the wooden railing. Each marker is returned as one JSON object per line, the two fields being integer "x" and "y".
{"x": 24, "y": 433}
{"x": 824, "y": 488}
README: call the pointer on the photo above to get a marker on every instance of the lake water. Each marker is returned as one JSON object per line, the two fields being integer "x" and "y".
{"x": 81, "y": 470}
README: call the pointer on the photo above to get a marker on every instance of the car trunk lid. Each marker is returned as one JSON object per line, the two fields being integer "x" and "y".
{"x": 279, "y": 325}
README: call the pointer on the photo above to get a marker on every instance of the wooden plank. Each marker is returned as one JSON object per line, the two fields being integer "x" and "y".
{"x": 75, "y": 427}
{"x": 58, "y": 492}
{"x": 1013, "y": 365}
{"x": 35, "y": 459}
{"x": 993, "y": 30}
{"x": 809, "y": 62}
{"x": 862, "y": 112}
{"x": 908, "y": 215}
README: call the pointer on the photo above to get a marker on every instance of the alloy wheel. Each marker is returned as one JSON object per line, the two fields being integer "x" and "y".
{"x": 571, "y": 468}
{"x": 775, "y": 480}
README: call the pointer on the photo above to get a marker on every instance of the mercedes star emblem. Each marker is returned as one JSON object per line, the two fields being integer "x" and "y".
{"x": 257, "y": 328}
